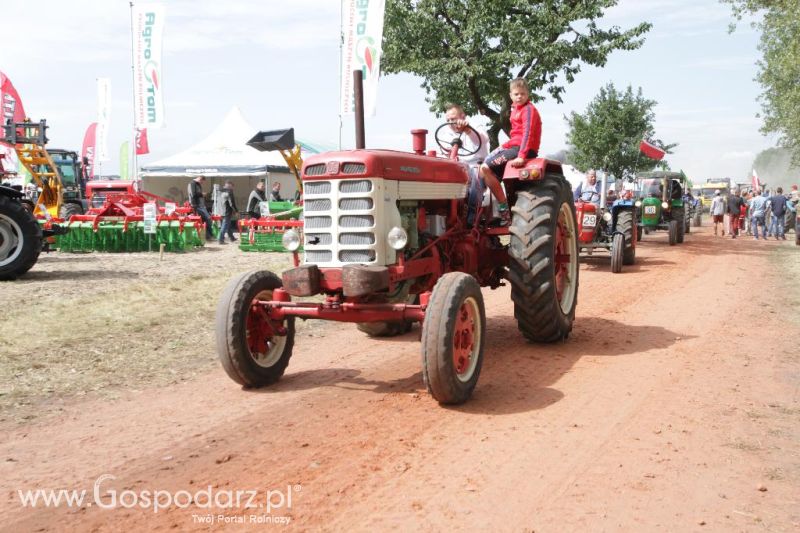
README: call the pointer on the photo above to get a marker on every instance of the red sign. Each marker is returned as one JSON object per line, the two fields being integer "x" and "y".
{"x": 89, "y": 149}
{"x": 651, "y": 150}
{"x": 142, "y": 147}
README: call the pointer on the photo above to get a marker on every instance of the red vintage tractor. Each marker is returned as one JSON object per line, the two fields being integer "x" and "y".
{"x": 387, "y": 243}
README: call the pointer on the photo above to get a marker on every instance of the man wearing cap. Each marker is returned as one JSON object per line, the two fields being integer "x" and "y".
{"x": 717, "y": 211}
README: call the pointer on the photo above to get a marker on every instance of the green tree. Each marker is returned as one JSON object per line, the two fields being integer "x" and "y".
{"x": 608, "y": 133}
{"x": 779, "y": 67}
{"x": 467, "y": 51}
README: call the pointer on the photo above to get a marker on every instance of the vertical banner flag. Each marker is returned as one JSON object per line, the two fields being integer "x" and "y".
{"x": 651, "y": 150}
{"x": 103, "y": 116}
{"x": 755, "y": 181}
{"x": 142, "y": 147}
{"x": 362, "y": 34}
{"x": 124, "y": 166}
{"x": 11, "y": 109}
{"x": 148, "y": 96}
{"x": 89, "y": 147}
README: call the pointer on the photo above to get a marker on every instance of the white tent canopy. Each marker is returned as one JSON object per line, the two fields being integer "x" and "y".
{"x": 223, "y": 153}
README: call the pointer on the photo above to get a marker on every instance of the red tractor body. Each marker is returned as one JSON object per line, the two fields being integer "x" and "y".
{"x": 586, "y": 214}
{"x": 387, "y": 243}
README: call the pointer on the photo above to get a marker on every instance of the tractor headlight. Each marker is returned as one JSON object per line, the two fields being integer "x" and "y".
{"x": 397, "y": 238}
{"x": 638, "y": 203}
{"x": 607, "y": 216}
{"x": 664, "y": 205}
{"x": 291, "y": 240}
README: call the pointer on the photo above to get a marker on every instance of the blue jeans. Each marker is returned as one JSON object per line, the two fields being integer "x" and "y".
{"x": 202, "y": 212}
{"x": 778, "y": 223}
{"x": 755, "y": 223}
{"x": 227, "y": 227}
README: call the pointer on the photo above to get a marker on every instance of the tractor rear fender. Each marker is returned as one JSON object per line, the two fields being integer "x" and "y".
{"x": 10, "y": 192}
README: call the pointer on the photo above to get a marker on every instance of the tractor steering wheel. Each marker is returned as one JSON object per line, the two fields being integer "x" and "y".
{"x": 447, "y": 146}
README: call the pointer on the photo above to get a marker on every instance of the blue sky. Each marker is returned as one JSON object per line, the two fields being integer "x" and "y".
{"x": 278, "y": 61}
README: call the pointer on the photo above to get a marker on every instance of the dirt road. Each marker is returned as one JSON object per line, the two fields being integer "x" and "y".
{"x": 674, "y": 406}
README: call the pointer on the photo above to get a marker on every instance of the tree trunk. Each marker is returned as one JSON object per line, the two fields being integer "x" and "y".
{"x": 502, "y": 122}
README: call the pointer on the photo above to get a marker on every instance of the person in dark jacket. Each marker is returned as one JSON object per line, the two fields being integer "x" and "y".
{"x": 778, "y": 204}
{"x": 228, "y": 209}
{"x": 734, "y": 209}
{"x": 276, "y": 192}
{"x": 198, "y": 202}
{"x": 254, "y": 201}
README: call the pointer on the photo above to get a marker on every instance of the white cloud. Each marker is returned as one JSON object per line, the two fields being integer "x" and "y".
{"x": 745, "y": 154}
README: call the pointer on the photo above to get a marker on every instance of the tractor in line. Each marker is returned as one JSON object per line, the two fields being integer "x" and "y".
{"x": 607, "y": 227}
{"x": 660, "y": 205}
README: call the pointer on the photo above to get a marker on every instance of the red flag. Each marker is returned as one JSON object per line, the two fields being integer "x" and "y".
{"x": 89, "y": 148}
{"x": 651, "y": 150}
{"x": 10, "y": 109}
{"x": 755, "y": 181}
{"x": 142, "y": 147}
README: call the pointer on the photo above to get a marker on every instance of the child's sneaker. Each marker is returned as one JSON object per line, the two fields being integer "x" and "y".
{"x": 505, "y": 214}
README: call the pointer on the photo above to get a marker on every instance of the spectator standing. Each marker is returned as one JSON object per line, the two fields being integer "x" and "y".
{"x": 758, "y": 210}
{"x": 734, "y": 207}
{"x": 777, "y": 203}
{"x": 275, "y": 196}
{"x": 717, "y": 211}
{"x": 228, "y": 209}
{"x": 198, "y": 203}
{"x": 254, "y": 201}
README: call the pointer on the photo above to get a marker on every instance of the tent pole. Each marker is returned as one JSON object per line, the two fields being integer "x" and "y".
{"x": 133, "y": 102}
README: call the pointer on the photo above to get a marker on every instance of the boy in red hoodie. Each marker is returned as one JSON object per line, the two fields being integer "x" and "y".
{"x": 526, "y": 134}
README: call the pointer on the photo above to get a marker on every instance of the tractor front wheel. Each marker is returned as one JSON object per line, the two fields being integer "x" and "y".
{"x": 617, "y": 252}
{"x": 680, "y": 218}
{"x": 453, "y": 336}
{"x": 639, "y": 233}
{"x": 253, "y": 350}
{"x": 625, "y": 226}
{"x": 697, "y": 220}
{"x": 67, "y": 210}
{"x": 543, "y": 260}
{"x": 673, "y": 232}
{"x": 20, "y": 239}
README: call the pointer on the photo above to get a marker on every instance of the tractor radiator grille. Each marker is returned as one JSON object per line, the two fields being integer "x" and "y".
{"x": 349, "y": 187}
{"x": 317, "y": 222}
{"x": 317, "y": 187}
{"x": 356, "y": 221}
{"x": 354, "y": 168}
{"x": 359, "y": 239}
{"x": 323, "y": 204}
{"x": 357, "y": 256}
{"x": 355, "y": 204}
{"x": 318, "y": 238}
{"x": 340, "y": 220}
{"x": 315, "y": 170}
{"x": 318, "y": 256}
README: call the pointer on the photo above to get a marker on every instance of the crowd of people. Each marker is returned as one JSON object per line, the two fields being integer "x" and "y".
{"x": 761, "y": 214}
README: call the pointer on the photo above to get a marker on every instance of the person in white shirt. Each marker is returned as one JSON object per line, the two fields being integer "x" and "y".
{"x": 472, "y": 139}
{"x": 717, "y": 211}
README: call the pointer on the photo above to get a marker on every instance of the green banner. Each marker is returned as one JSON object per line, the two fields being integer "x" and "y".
{"x": 124, "y": 161}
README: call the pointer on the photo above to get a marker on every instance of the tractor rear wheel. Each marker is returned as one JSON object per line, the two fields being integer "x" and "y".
{"x": 253, "y": 350}
{"x": 20, "y": 239}
{"x": 673, "y": 232}
{"x": 453, "y": 336}
{"x": 67, "y": 210}
{"x": 625, "y": 225}
{"x": 617, "y": 251}
{"x": 679, "y": 217}
{"x": 543, "y": 260}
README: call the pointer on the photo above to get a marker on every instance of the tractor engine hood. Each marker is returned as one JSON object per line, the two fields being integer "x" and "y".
{"x": 386, "y": 164}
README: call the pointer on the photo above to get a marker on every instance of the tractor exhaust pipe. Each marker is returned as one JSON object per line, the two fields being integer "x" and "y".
{"x": 358, "y": 94}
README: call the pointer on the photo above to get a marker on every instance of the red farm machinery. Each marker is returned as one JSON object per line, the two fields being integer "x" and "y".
{"x": 387, "y": 244}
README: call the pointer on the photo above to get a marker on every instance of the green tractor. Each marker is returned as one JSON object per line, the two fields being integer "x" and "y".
{"x": 660, "y": 204}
